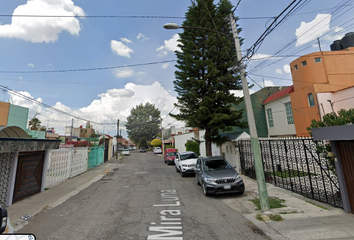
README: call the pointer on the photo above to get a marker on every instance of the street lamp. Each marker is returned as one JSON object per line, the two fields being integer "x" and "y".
{"x": 262, "y": 188}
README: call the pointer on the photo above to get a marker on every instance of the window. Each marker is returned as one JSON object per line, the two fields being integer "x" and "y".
{"x": 295, "y": 67}
{"x": 270, "y": 117}
{"x": 311, "y": 100}
{"x": 318, "y": 60}
{"x": 289, "y": 113}
{"x": 304, "y": 63}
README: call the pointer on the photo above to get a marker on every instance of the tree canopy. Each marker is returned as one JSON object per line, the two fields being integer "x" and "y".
{"x": 143, "y": 124}
{"x": 34, "y": 123}
{"x": 203, "y": 82}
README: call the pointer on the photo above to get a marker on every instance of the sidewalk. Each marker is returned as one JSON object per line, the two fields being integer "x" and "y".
{"x": 21, "y": 211}
{"x": 301, "y": 219}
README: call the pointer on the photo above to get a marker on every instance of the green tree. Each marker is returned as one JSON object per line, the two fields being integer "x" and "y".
{"x": 203, "y": 82}
{"x": 143, "y": 124}
{"x": 34, "y": 123}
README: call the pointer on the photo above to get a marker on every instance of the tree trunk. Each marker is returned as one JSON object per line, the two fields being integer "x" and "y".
{"x": 208, "y": 142}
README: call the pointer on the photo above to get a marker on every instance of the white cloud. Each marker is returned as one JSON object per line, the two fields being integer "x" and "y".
{"x": 278, "y": 71}
{"x": 120, "y": 49}
{"x": 107, "y": 108}
{"x": 126, "y": 40}
{"x": 339, "y": 34}
{"x": 20, "y": 77}
{"x": 308, "y": 32}
{"x": 142, "y": 37}
{"x": 286, "y": 68}
{"x": 268, "y": 83}
{"x": 169, "y": 45}
{"x": 124, "y": 73}
{"x": 50, "y": 65}
{"x": 47, "y": 30}
{"x": 239, "y": 93}
{"x": 260, "y": 56}
{"x": 30, "y": 65}
{"x": 165, "y": 65}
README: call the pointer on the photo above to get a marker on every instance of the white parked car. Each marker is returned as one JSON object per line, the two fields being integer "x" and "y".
{"x": 185, "y": 162}
{"x": 158, "y": 150}
{"x": 125, "y": 152}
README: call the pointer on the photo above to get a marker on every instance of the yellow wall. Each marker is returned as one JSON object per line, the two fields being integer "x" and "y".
{"x": 334, "y": 73}
{"x": 4, "y": 113}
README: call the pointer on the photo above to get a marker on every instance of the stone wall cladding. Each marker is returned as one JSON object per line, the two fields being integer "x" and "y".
{"x": 5, "y": 168}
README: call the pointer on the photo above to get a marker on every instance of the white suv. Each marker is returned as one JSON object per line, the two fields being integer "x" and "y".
{"x": 185, "y": 162}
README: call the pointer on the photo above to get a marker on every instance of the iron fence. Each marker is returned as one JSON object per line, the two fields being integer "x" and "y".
{"x": 294, "y": 164}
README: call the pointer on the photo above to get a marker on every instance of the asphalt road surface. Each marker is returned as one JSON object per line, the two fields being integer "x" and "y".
{"x": 143, "y": 198}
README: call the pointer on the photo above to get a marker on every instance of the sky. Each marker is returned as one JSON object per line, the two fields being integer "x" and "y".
{"x": 116, "y": 54}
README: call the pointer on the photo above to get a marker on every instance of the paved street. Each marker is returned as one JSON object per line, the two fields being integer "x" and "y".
{"x": 142, "y": 198}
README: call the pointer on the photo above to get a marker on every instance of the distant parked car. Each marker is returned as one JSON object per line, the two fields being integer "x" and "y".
{"x": 125, "y": 152}
{"x": 185, "y": 162}
{"x": 170, "y": 155}
{"x": 142, "y": 150}
{"x": 216, "y": 175}
{"x": 158, "y": 150}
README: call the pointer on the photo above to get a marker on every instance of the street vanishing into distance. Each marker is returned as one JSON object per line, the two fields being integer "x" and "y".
{"x": 143, "y": 198}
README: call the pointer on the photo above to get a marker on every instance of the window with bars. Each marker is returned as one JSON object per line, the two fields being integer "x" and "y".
{"x": 270, "y": 117}
{"x": 289, "y": 113}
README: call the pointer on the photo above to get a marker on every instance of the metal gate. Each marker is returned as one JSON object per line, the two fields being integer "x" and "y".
{"x": 28, "y": 175}
{"x": 295, "y": 165}
{"x": 346, "y": 153}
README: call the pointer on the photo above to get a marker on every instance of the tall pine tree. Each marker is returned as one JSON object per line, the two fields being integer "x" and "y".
{"x": 203, "y": 82}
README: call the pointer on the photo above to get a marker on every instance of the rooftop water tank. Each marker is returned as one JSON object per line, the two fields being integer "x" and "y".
{"x": 348, "y": 40}
{"x": 336, "y": 45}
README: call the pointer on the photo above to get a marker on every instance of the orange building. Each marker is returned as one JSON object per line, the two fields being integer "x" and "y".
{"x": 319, "y": 72}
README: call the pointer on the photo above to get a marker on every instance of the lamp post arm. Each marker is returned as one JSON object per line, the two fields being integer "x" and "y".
{"x": 176, "y": 26}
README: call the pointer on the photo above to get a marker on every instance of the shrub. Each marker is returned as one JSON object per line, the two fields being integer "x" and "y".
{"x": 193, "y": 146}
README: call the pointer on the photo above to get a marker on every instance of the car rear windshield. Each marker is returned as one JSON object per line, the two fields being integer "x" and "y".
{"x": 216, "y": 165}
{"x": 188, "y": 156}
{"x": 171, "y": 154}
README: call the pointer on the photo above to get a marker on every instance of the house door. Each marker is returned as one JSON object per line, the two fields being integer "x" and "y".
{"x": 28, "y": 175}
{"x": 106, "y": 150}
{"x": 346, "y": 153}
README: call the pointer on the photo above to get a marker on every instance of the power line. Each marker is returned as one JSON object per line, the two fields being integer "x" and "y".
{"x": 88, "y": 69}
{"x": 48, "y": 106}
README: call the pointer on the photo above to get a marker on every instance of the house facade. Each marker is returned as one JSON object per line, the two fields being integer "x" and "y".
{"x": 13, "y": 115}
{"x": 257, "y": 100}
{"x": 317, "y": 77}
{"x": 279, "y": 114}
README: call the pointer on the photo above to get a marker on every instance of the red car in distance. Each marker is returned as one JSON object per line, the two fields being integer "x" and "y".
{"x": 170, "y": 155}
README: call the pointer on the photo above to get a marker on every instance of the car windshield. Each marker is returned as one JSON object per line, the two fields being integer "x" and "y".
{"x": 171, "y": 154}
{"x": 188, "y": 156}
{"x": 157, "y": 148}
{"x": 216, "y": 165}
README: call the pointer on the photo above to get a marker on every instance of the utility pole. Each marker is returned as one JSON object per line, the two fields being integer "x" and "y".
{"x": 117, "y": 139}
{"x": 71, "y": 132}
{"x": 262, "y": 187}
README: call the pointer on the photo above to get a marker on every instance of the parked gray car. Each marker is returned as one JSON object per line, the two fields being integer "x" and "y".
{"x": 216, "y": 175}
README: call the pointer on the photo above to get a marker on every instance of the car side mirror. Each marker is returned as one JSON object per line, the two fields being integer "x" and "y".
{"x": 3, "y": 218}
